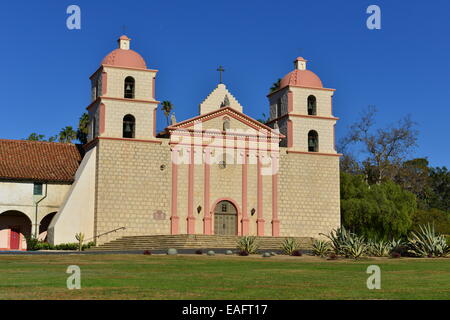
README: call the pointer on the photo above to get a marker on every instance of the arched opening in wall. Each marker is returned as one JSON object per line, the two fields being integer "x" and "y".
{"x": 313, "y": 141}
{"x": 129, "y": 88}
{"x": 312, "y": 105}
{"x": 225, "y": 218}
{"x": 129, "y": 126}
{"x": 15, "y": 227}
{"x": 279, "y": 110}
{"x": 226, "y": 123}
{"x": 43, "y": 227}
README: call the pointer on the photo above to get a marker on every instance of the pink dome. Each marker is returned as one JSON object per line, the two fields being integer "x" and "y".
{"x": 301, "y": 78}
{"x": 125, "y": 58}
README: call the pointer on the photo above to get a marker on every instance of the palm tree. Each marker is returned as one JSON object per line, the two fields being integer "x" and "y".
{"x": 167, "y": 107}
{"x": 36, "y": 137}
{"x": 67, "y": 134}
{"x": 83, "y": 128}
{"x": 275, "y": 86}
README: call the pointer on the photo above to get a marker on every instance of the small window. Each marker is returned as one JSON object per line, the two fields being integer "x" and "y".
{"x": 37, "y": 189}
{"x": 313, "y": 141}
{"x": 129, "y": 88}
{"x": 312, "y": 106}
{"x": 128, "y": 126}
{"x": 224, "y": 207}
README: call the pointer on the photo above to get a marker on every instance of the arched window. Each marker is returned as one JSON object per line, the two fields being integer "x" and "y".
{"x": 278, "y": 108}
{"x": 313, "y": 141}
{"x": 129, "y": 88}
{"x": 312, "y": 106}
{"x": 226, "y": 123}
{"x": 128, "y": 126}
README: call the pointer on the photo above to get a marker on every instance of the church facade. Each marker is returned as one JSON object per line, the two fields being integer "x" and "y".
{"x": 221, "y": 172}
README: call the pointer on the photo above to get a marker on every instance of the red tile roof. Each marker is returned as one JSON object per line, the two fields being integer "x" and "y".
{"x": 39, "y": 161}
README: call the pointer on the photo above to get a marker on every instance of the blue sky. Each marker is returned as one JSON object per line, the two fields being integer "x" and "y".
{"x": 404, "y": 68}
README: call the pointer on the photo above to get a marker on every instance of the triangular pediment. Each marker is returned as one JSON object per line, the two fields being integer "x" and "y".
{"x": 220, "y": 97}
{"x": 239, "y": 123}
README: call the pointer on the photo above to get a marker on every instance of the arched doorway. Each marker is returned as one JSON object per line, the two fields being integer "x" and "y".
{"x": 15, "y": 227}
{"x": 43, "y": 226}
{"x": 225, "y": 218}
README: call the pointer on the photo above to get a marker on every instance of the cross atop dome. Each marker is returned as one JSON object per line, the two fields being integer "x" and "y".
{"x": 124, "y": 42}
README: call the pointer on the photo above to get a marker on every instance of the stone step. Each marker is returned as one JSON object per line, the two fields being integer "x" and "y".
{"x": 163, "y": 242}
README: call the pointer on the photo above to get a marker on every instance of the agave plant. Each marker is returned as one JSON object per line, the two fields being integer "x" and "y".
{"x": 426, "y": 243}
{"x": 289, "y": 245}
{"x": 338, "y": 239}
{"x": 379, "y": 248}
{"x": 355, "y": 247}
{"x": 321, "y": 248}
{"x": 247, "y": 245}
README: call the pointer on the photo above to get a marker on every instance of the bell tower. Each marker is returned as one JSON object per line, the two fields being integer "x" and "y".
{"x": 302, "y": 109}
{"x": 123, "y": 96}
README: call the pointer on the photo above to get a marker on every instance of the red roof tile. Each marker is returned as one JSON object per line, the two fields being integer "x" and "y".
{"x": 39, "y": 161}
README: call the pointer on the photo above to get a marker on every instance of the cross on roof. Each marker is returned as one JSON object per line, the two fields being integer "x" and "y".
{"x": 221, "y": 70}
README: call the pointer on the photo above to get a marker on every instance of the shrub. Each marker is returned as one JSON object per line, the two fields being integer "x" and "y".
{"x": 395, "y": 255}
{"x": 379, "y": 248}
{"x": 297, "y": 253}
{"x": 66, "y": 246}
{"x": 321, "y": 248}
{"x": 339, "y": 237}
{"x": 147, "y": 252}
{"x": 289, "y": 245}
{"x": 243, "y": 253}
{"x": 355, "y": 247}
{"x": 426, "y": 243}
{"x": 247, "y": 244}
{"x": 199, "y": 251}
{"x": 32, "y": 243}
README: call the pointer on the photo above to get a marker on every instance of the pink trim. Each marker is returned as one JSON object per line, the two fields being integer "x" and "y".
{"x": 331, "y": 105}
{"x": 154, "y": 122}
{"x": 275, "y": 220}
{"x": 290, "y": 101}
{"x": 191, "y": 218}
{"x": 220, "y": 112}
{"x": 260, "y": 220}
{"x": 174, "y": 219}
{"x": 239, "y": 212}
{"x": 290, "y": 134}
{"x": 128, "y": 68}
{"x": 245, "y": 219}
{"x": 334, "y": 137}
{"x": 101, "y": 115}
{"x": 207, "y": 225}
{"x": 104, "y": 83}
{"x": 119, "y": 99}
{"x": 303, "y": 116}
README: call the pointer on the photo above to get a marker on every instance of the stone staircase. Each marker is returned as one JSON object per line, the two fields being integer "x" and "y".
{"x": 184, "y": 241}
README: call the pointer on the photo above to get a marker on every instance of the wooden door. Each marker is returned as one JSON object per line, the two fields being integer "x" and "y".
{"x": 225, "y": 219}
{"x": 14, "y": 242}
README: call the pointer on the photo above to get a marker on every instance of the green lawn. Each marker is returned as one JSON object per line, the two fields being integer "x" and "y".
{"x": 220, "y": 277}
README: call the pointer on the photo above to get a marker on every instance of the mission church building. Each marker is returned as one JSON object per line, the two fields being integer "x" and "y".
{"x": 219, "y": 173}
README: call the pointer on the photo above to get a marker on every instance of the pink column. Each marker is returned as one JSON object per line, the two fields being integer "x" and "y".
{"x": 174, "y": 219}
{"x": 275, "y": 220}
{"x": 260, "y": 220}
{"x": 191, "y": 218}
{"x": 245, "y": 219}
{"x": 206, "y": 186}
{"x": 104, "y": 83}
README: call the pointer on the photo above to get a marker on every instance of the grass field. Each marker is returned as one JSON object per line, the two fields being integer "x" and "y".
{"x": 220, "y": 277}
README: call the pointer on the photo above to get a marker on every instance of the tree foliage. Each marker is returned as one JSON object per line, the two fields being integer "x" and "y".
{"x": 381, "y": 211}
{"x": 385, "y": 148}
